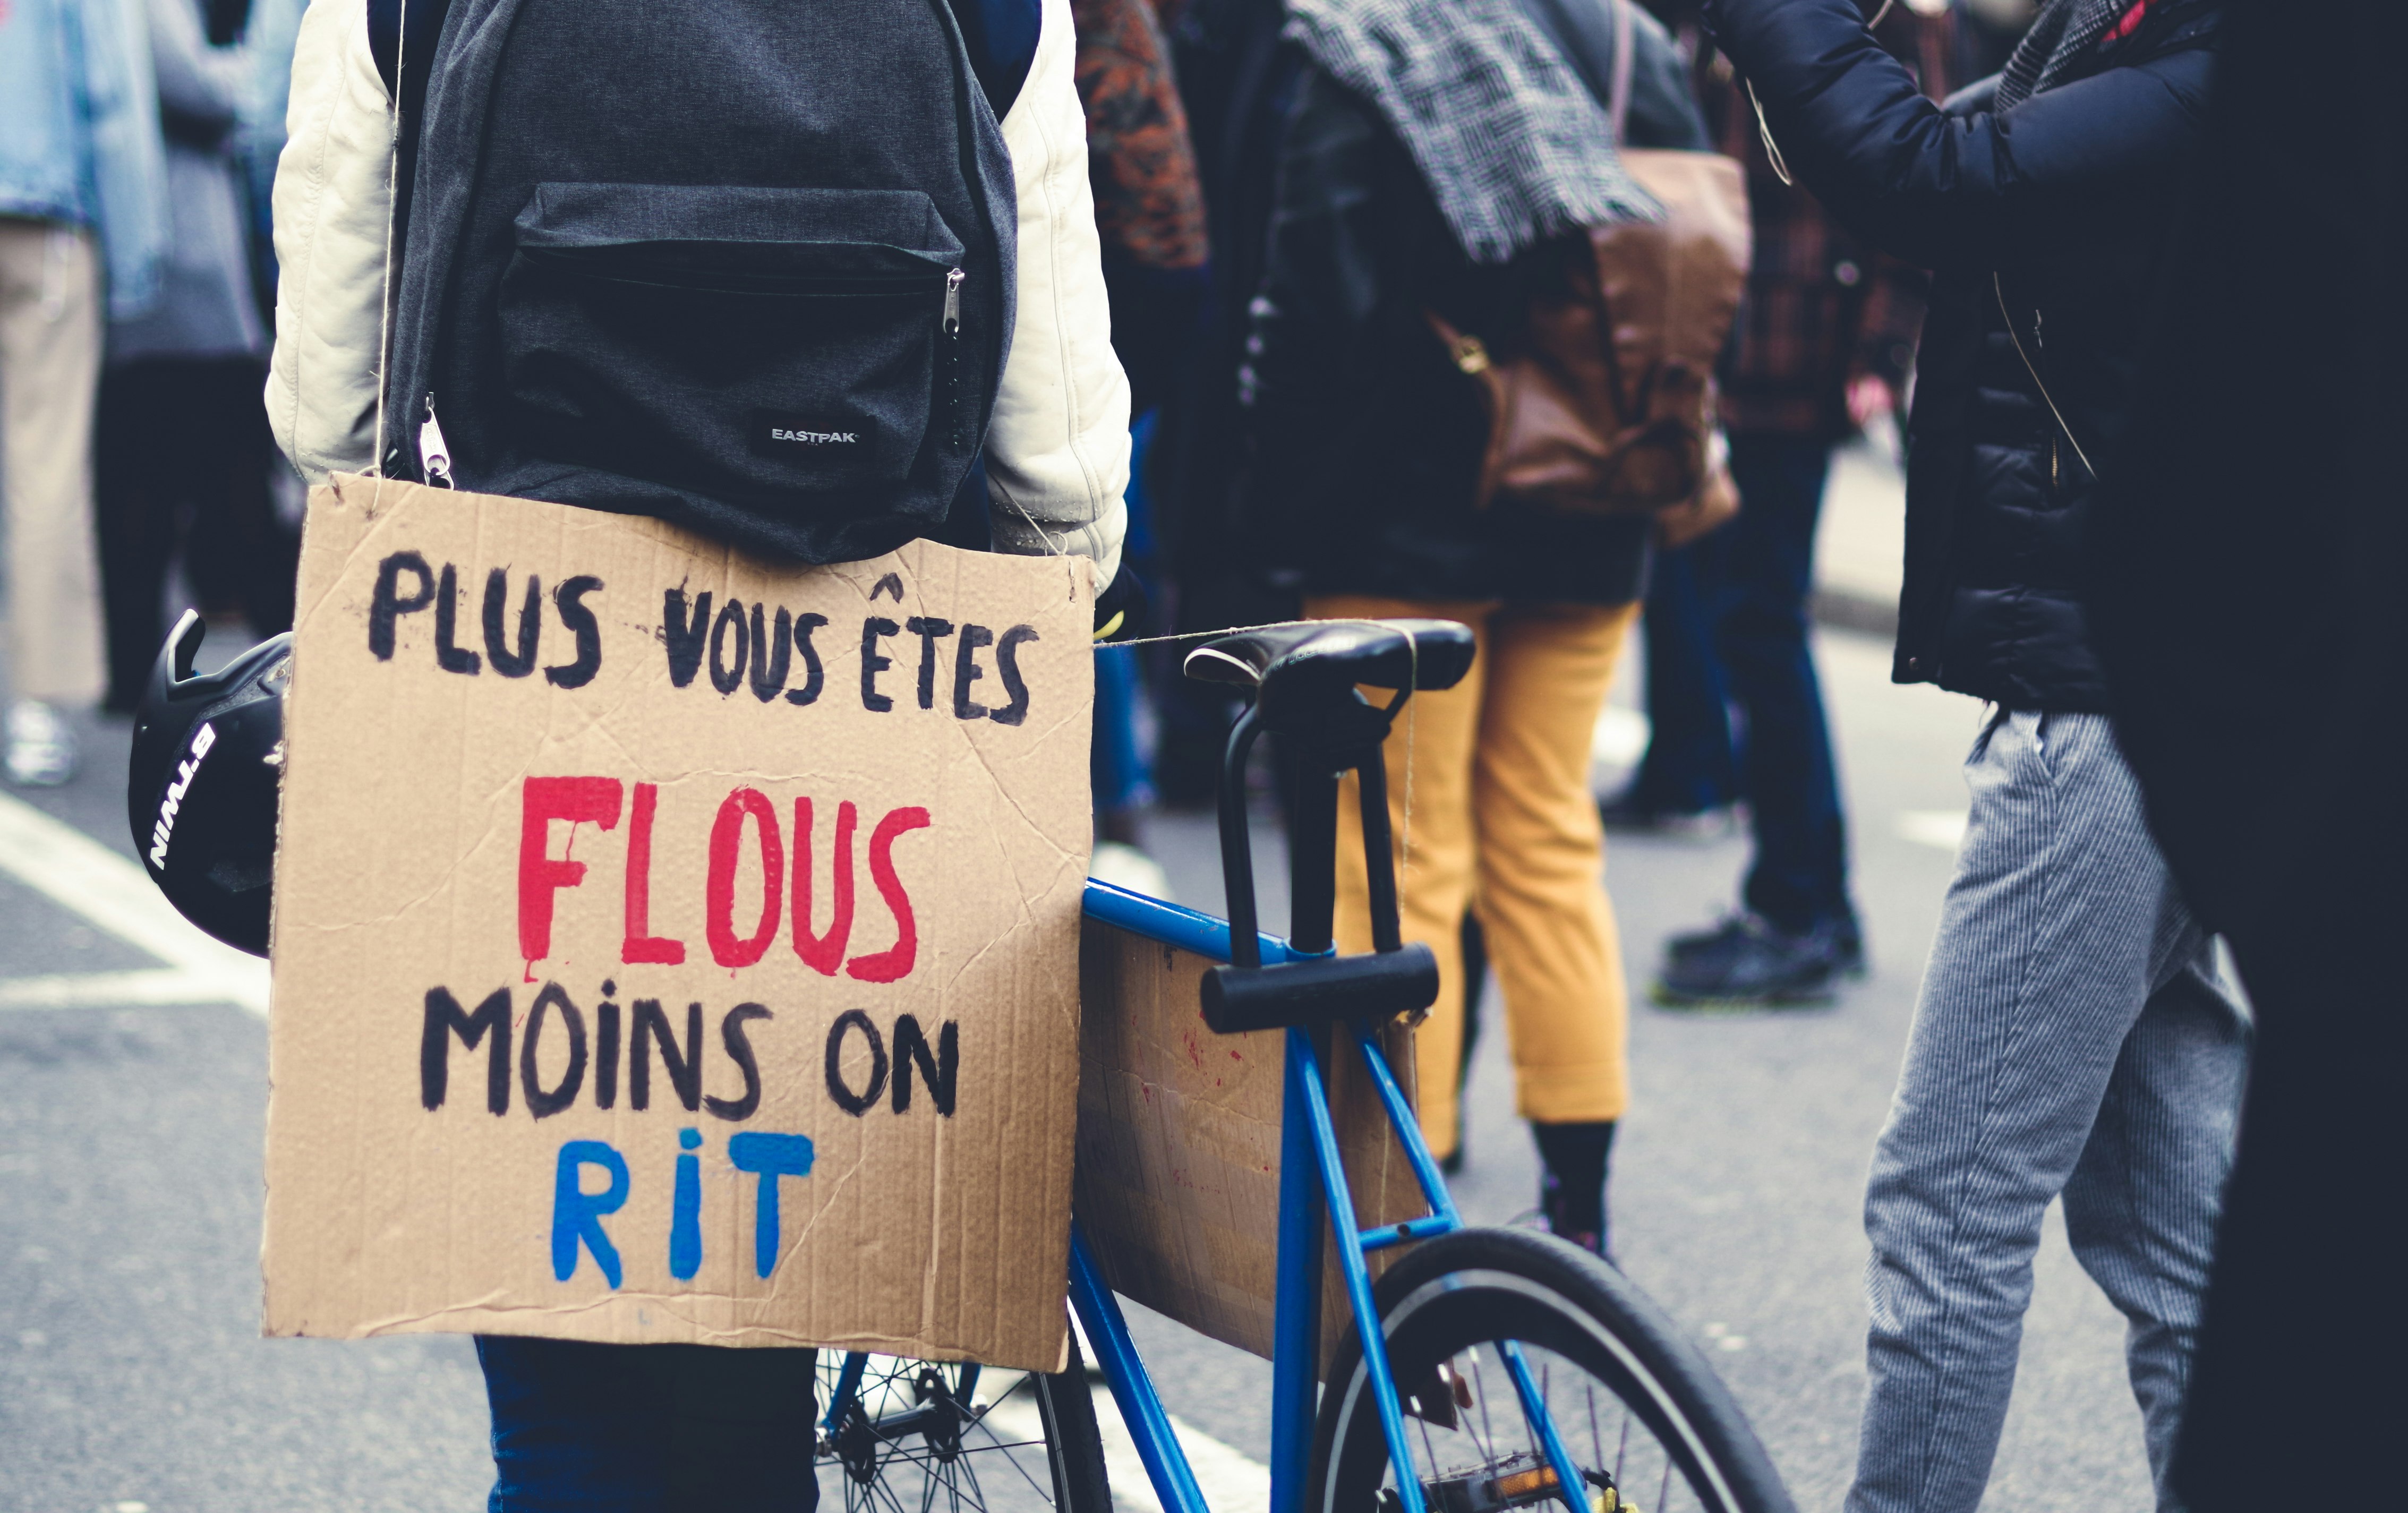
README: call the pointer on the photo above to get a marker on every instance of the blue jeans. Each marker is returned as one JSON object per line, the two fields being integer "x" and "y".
{"x": 2073, "y": 1039}
{"x": 1727, "y": 626}
{"x": 581, "y": 1428}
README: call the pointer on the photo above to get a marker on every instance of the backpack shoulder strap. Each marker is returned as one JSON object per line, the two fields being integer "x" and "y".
{"x": 384, "y": 39}
{"x": 1001, "y": 37}
{"x": 401, "y": 39}
{"x": 1618, "y": 106}
{"x": 402, "y": 35}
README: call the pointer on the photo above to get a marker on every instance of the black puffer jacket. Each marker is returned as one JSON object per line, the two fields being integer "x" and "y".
{"x": 1367, "y": 440}
{"x": 2054, "y": 216}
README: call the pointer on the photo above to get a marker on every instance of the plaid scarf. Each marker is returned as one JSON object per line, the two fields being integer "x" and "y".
{"x": 2057, "y": 39}
{"x": 1513, "y": 146}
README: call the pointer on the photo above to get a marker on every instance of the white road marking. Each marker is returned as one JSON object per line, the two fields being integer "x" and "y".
{"x": 1942, "y": 828}
{"x": 1127, "y": 866}
{"x": 114, "y": 894}
{"x": 1232, "y": 1482}
{"x": 98, "y": 990}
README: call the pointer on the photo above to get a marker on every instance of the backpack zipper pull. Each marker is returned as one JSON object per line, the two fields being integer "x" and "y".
{"x": 953, "y": 326}
{"x": 434, "y": 457}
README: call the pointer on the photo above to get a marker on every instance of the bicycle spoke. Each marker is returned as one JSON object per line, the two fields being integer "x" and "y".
{"x": 1044, "y": 1490}
{"x": 1480, "y": 1391}
{"x": 967, "y": 1471}
{"x": 1596, "y": 1439}
{"x": 1493, "y": 1462}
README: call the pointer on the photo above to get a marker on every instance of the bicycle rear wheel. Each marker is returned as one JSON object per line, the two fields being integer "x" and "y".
{"x": 1641, "y": 1417}
{"x": 916, "y": 1436}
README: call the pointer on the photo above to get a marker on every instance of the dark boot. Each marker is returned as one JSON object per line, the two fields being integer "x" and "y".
{"x": 1751, "y": 963}
{"x": 1571, "y": 1187}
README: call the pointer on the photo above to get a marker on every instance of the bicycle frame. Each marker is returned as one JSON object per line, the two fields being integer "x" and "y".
{"x": 1312, "y": 1189}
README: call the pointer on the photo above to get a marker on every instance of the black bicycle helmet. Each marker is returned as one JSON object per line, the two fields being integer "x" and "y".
{"x": 201, "y": 788}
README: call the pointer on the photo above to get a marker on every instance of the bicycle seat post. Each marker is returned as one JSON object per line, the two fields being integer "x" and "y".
{"x": 1237, "y": 844}
{"x": 1347, "y": 741}
{"x": 1379, "y": 858}
{"x": 1312, "y": 853}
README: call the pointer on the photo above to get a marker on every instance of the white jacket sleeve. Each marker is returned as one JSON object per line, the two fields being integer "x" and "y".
{"x": 1058, "y": 452}
{"x": 332, "y": 200}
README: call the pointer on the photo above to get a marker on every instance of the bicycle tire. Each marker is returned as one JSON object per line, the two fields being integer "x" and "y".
{"x": 977, "y": 1452}
{"x": 1445, "y": 1299}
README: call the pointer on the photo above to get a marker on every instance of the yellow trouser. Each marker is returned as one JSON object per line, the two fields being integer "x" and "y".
{"x": 1502, "y": 822}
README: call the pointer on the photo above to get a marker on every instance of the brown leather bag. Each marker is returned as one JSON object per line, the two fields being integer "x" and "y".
{"x": 1603, "y": 402}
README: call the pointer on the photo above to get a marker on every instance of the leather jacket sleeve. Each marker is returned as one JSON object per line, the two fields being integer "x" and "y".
{"x": 1957, "y": 192}
{"x": 1329, "y": 247}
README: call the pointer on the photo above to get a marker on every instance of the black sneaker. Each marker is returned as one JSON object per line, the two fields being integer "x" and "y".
{"x": 1750, "y": 963}
{"x": 1724, "y": 939}
{"x": 1718, "y": 938}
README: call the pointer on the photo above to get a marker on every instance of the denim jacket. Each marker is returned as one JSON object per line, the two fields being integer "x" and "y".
{"x": 80, "y": 133}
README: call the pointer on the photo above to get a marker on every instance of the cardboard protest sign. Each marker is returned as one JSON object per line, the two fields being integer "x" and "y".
{"x": 673, "y": 947}
{"x": 1178, "y": 1144}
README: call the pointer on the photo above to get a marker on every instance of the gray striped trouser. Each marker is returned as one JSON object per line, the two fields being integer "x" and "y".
{"x": 2071, "y": 1038}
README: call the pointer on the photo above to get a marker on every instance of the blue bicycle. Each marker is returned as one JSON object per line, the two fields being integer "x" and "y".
{"x": 1484, "y": 1369}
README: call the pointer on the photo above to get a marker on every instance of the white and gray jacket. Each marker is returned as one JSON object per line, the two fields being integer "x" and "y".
{"x": 1058, "y": 452}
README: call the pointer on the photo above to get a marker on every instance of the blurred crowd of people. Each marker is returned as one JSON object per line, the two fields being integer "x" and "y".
{"x": 1958, "y": 216}
{"x": 136, "y": 141}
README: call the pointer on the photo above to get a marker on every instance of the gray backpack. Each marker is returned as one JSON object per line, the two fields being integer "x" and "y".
{"x": 743, "y": 267}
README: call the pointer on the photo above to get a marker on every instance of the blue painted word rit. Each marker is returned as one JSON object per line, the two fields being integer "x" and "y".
{"x": 577, "y": 1214}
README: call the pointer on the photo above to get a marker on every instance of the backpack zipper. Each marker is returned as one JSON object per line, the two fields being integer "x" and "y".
{"x": 953, "y": 326}
{"x": 434, "y": 457}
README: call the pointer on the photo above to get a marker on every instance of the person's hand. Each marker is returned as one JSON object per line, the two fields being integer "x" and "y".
{"x": 1869, "y": 394}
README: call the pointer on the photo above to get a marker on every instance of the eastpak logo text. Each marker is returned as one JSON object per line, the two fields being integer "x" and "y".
{"x": 830, "y": 443}
{"x": 203, "y": 739}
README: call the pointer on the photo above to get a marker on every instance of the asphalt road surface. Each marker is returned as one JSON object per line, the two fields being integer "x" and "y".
{"x": 132, "y": 1378}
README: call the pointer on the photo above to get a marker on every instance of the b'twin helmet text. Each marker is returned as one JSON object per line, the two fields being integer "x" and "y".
{"x": 203, "y": 739}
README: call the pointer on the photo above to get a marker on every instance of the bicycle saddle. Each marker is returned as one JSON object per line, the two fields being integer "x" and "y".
{"x": 1330, "y": 656}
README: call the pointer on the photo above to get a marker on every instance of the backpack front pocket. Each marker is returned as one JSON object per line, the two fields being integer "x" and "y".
{"x": 775, "y": 348}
